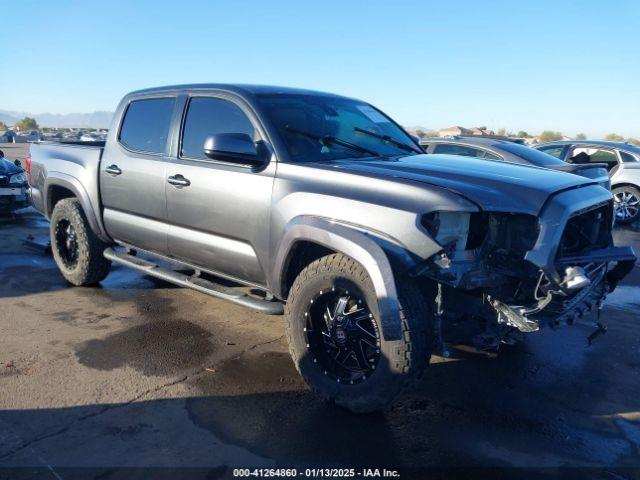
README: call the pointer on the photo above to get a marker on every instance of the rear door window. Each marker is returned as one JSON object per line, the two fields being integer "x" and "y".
{"x": 452, "y": 149}
{"x": 209, "y": 116}
{"x": 464, "y": 150}
{"x": 555, "y": 151}
{"x": 594, "y": 155}
{"x": 628, "y": 157}
{"x": 146, "y": 123}
{"x": 488, "y": 155}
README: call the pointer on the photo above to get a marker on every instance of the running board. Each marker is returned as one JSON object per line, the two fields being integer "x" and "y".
{"x": 194, "y": 282}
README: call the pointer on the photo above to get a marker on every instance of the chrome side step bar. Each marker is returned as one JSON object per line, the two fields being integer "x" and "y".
{"x": 194, "y": 282}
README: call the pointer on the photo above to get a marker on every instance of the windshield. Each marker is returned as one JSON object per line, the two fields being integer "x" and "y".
{"x": 321, "y": 128}
{"x": 533, "y": 156}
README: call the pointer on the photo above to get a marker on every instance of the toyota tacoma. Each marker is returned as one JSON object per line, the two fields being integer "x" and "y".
{"x": 323, "y": 208}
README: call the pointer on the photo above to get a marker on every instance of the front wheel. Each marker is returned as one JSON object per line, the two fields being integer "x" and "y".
{"x": 336, "y": 341}
{"x": 78, "y": 251}
{"x": 627, "y": 204}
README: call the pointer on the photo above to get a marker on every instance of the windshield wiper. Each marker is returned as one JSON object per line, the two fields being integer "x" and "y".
{"x": 327, "y": 140}
{"x": 387, "y": 138}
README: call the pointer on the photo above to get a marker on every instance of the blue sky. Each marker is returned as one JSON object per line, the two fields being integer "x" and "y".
{"x": 568, "y": 66}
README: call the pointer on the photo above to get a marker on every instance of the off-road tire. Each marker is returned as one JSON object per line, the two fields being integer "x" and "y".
{"x": 402, "y": 361}
{"x": 91, "y": 266}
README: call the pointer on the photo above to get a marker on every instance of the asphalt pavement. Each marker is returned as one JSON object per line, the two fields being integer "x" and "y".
{"x": 108, "y": 381}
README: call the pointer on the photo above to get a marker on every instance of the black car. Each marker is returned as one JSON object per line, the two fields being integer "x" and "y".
{"x": 491, "y": 148}
{"x": 13, "y": 186}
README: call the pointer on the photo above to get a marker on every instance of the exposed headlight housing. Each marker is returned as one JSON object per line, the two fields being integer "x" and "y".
{"x": 17, "y": 179}
{"x": 447, "y": 228}
{"x": 516, "y": 233}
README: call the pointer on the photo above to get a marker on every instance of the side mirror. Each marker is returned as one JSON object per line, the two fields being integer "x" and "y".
{"x": 232, "y": 147}
{"x": 17, "y": 163}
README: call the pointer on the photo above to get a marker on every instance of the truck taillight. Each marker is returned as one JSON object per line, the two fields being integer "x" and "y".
{"x": 27, "y": 167}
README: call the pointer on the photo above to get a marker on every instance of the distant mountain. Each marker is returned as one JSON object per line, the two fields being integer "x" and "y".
{"x": 413, "y": 128}
{"x": 81, "y": 120}
{"x": 8, "y": 117}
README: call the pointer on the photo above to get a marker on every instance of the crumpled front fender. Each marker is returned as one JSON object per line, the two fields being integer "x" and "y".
{"x": 357, "y": 245}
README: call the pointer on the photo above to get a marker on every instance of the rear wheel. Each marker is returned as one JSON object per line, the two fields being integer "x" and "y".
{"x": 627, "y": 204}
{"x": 78, "y": 252}
{"x": 336, "y": 341}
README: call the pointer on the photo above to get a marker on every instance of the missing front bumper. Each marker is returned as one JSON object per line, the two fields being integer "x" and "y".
{"x": 565, "y": 304}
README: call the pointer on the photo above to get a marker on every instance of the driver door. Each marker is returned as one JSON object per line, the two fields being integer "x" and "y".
{"x": 219, "y": 214}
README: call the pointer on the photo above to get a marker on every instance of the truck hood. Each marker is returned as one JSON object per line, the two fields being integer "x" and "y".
{"x": 494, "y": 186}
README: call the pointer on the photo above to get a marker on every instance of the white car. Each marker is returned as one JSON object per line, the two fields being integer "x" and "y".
{"x": 89, "y": 137}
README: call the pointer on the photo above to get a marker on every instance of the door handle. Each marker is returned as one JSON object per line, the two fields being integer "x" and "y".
{"x": 179, "y": 181}
{"x": 113, "y": 170}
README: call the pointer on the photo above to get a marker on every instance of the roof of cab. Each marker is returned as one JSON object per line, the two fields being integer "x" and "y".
{"x": 241, "y": 89}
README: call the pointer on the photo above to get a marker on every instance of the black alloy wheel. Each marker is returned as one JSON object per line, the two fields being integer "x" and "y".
{"x": 67, "y": 243}
{"x": 342, "y": 335}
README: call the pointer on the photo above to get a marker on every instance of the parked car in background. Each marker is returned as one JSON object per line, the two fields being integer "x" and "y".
{"x": 90, "y": 137}
{"x": 13, "y": 186}
{"x": 510, "y": 151}
{"x": 31, "y": 136}
{"x": 8, "y": 137}
{"x": 623, "y": 165}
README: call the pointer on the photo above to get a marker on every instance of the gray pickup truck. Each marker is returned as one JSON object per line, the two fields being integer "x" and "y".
{"x": 322, "y": 208}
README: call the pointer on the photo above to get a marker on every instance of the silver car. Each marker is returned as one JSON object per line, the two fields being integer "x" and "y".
{"x": 623, "y": 163}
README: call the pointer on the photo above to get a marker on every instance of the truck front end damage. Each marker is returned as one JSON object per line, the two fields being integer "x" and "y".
{"x": 517, "y": 272}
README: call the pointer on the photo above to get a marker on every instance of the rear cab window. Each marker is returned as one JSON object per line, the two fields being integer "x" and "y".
{"x": 146, "y": 123}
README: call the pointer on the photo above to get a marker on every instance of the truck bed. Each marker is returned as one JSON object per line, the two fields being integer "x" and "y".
{"x": 69, "y": 165}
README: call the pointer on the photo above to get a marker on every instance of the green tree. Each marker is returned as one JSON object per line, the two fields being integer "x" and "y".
{"x": 634, "y": 141}
{"x": 3, "y": 126}
{"x": 550, "y": 136}
{"x": 581, "y": 136}
{"x": 27, "y": 123}
{"x": 523, "y": 134}
{"x": 502, "y": 132}
{"x": 614, "y": 137}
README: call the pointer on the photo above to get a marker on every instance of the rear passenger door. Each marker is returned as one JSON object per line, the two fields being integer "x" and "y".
{"x": 132, "y": 175}
{"x": 219, "y": 218}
